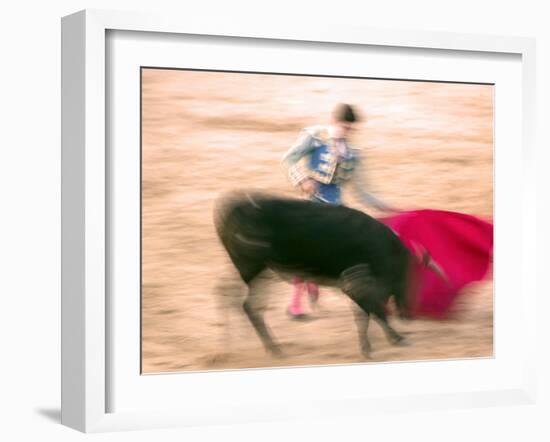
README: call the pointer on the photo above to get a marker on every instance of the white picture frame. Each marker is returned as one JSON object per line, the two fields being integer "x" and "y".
{"x": 85, "y": 211}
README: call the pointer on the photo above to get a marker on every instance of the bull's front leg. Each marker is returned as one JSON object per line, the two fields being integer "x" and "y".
{"x": 392, "y": 336}
{"x": 359, "y": 284}
{"x": 362, "y": 322}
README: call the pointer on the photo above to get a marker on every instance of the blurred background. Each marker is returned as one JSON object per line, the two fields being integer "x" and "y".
{"x": 427, "y": 145}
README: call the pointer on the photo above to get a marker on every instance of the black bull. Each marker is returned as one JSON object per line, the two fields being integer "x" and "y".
{"x": 329, "y": 245}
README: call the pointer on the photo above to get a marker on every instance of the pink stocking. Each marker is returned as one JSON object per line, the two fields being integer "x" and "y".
{"x": 313, "y": 291}
{"x": 295, "y": 307}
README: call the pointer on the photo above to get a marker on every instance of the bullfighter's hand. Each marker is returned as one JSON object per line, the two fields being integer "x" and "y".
{"x": 309, "y": 186}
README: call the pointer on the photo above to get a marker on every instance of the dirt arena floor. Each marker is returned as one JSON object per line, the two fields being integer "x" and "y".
{"x": 428, "y": 145}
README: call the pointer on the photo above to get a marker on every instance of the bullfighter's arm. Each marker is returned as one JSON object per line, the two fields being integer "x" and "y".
{"x": 302, "y": 147}
{"x": 359, "y": 186}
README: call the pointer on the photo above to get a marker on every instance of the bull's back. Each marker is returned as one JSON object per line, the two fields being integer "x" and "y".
{"x": 306, "y": 237}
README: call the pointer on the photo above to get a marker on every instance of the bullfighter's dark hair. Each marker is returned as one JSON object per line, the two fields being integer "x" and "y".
{"x": 345, "y": 113}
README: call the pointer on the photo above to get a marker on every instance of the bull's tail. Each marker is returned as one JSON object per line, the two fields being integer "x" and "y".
{"x": 242, "y": 229}
{"x": 223, "y": 208}
{"x": 228, "y": 292}
{"x": 232, "y": 210}
{"x": 239, "y": 219}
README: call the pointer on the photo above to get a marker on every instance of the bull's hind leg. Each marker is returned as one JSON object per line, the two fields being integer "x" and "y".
{"x": 249, "y": 274}
{"x": 256, "y": 318}
{"x": 359, "y": 284}
{"x": 228, "y": 295}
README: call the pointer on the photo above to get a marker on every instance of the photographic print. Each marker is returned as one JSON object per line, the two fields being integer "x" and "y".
{"x": 301, "y": 220}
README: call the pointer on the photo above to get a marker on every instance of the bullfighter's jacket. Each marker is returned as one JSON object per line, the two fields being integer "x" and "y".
{"x": 315, "y": 156}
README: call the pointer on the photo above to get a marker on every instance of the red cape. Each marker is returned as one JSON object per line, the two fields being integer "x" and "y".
{"x": 461, "y": 245}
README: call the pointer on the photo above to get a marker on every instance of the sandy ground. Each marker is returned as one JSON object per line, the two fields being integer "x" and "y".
{"x": 428, "y": 145}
